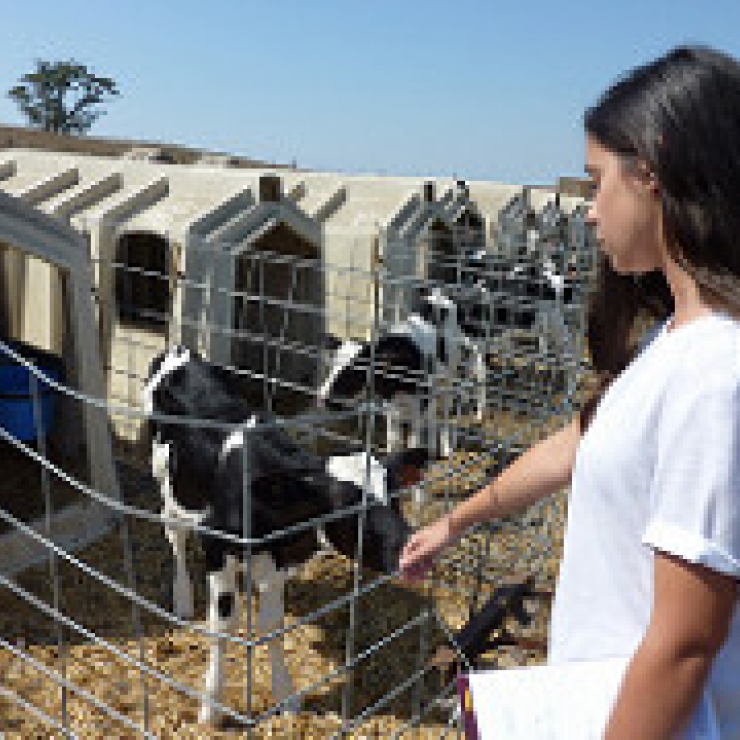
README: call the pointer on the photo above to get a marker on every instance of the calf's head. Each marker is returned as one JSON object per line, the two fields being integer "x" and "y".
{"x": 438, "y": 309}
{"x": 384, "y": 530}
{"x": 393, "y": 366}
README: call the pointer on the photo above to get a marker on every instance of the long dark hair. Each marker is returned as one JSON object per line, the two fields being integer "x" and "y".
{"x": 680, "y": 116}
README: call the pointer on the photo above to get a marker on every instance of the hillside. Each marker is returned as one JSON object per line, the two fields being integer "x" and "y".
{"x": 28, "y": 138}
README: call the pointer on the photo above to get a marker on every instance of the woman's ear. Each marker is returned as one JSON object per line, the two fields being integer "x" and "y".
{"x": 653, "y": 183}
{"x": 648, "y": 176}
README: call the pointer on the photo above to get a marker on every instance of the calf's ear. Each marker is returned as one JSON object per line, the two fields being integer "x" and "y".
{"x": 406, "y": 468}
{"x": 418, "y": 301}
{"x": 329, "y": 341}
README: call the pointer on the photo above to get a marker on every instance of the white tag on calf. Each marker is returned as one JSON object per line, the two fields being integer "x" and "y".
{"x": 354, "y": 469}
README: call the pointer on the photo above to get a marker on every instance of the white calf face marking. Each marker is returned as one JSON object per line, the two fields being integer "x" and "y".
{"x": 446, "y": 309}
{"x": 438, "y": 299}
{"x": 354, "y": 469}
{"x": 175, "y": 358}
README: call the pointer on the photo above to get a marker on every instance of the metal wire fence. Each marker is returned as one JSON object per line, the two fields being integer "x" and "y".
{"x": 90, "y": 642}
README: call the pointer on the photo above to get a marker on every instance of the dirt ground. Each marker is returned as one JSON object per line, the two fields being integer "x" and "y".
{"x": 137, "y": 555}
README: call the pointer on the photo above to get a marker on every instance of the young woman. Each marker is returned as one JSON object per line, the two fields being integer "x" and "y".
{"x": 652, "y": 549}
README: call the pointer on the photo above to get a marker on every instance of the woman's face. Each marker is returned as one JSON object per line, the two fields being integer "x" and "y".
{"x": 625, "y": 211}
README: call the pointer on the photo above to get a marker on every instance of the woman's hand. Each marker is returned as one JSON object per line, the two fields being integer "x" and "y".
{"x": 423, "y": 547}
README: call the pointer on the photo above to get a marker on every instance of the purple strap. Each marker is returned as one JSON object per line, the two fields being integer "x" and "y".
{"x": 466, "y": 704}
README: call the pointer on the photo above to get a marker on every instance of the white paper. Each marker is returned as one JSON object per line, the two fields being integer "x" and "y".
{"x": 563, "y": 702}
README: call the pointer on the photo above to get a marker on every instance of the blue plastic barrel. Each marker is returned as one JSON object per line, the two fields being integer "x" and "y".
{"x": 17, "y": 388}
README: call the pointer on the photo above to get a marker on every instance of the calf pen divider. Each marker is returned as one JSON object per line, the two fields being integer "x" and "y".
{"x": 96, "y": 647}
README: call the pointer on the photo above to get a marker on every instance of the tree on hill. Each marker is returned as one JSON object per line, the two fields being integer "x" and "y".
{"x": 64, "y": 97}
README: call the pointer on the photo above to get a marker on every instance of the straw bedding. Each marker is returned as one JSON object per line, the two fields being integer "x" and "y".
{"x": 313, "y": 650}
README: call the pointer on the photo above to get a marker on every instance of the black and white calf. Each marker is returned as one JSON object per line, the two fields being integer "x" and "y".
{"x": 409, "y": 361}
{"x": 499, "y": 299}
{"x": 535, "y": 298}
{"x": 201, "y": 472}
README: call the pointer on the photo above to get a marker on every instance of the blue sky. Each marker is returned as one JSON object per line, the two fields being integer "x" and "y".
{"x": 480, "y": 89}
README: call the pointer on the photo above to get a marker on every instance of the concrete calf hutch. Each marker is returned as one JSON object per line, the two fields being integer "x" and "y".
{"x": 200, "y": 253}
{"x": 142, "y": 222}
{"x": 33, "y": 245}
{"x": 381, "y": 236}
{"x": 357, "y": 217}
{"x": 261, "y": 303}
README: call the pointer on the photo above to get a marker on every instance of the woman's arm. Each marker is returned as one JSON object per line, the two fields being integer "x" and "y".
{"x": 540, "y": 471}
{"x": 692, "y": 613}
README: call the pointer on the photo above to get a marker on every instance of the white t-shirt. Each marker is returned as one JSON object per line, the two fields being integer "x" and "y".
{"x": 659, "y": 467}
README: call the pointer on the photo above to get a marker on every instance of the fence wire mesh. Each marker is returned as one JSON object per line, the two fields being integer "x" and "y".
{"x": 91, "y": 644}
